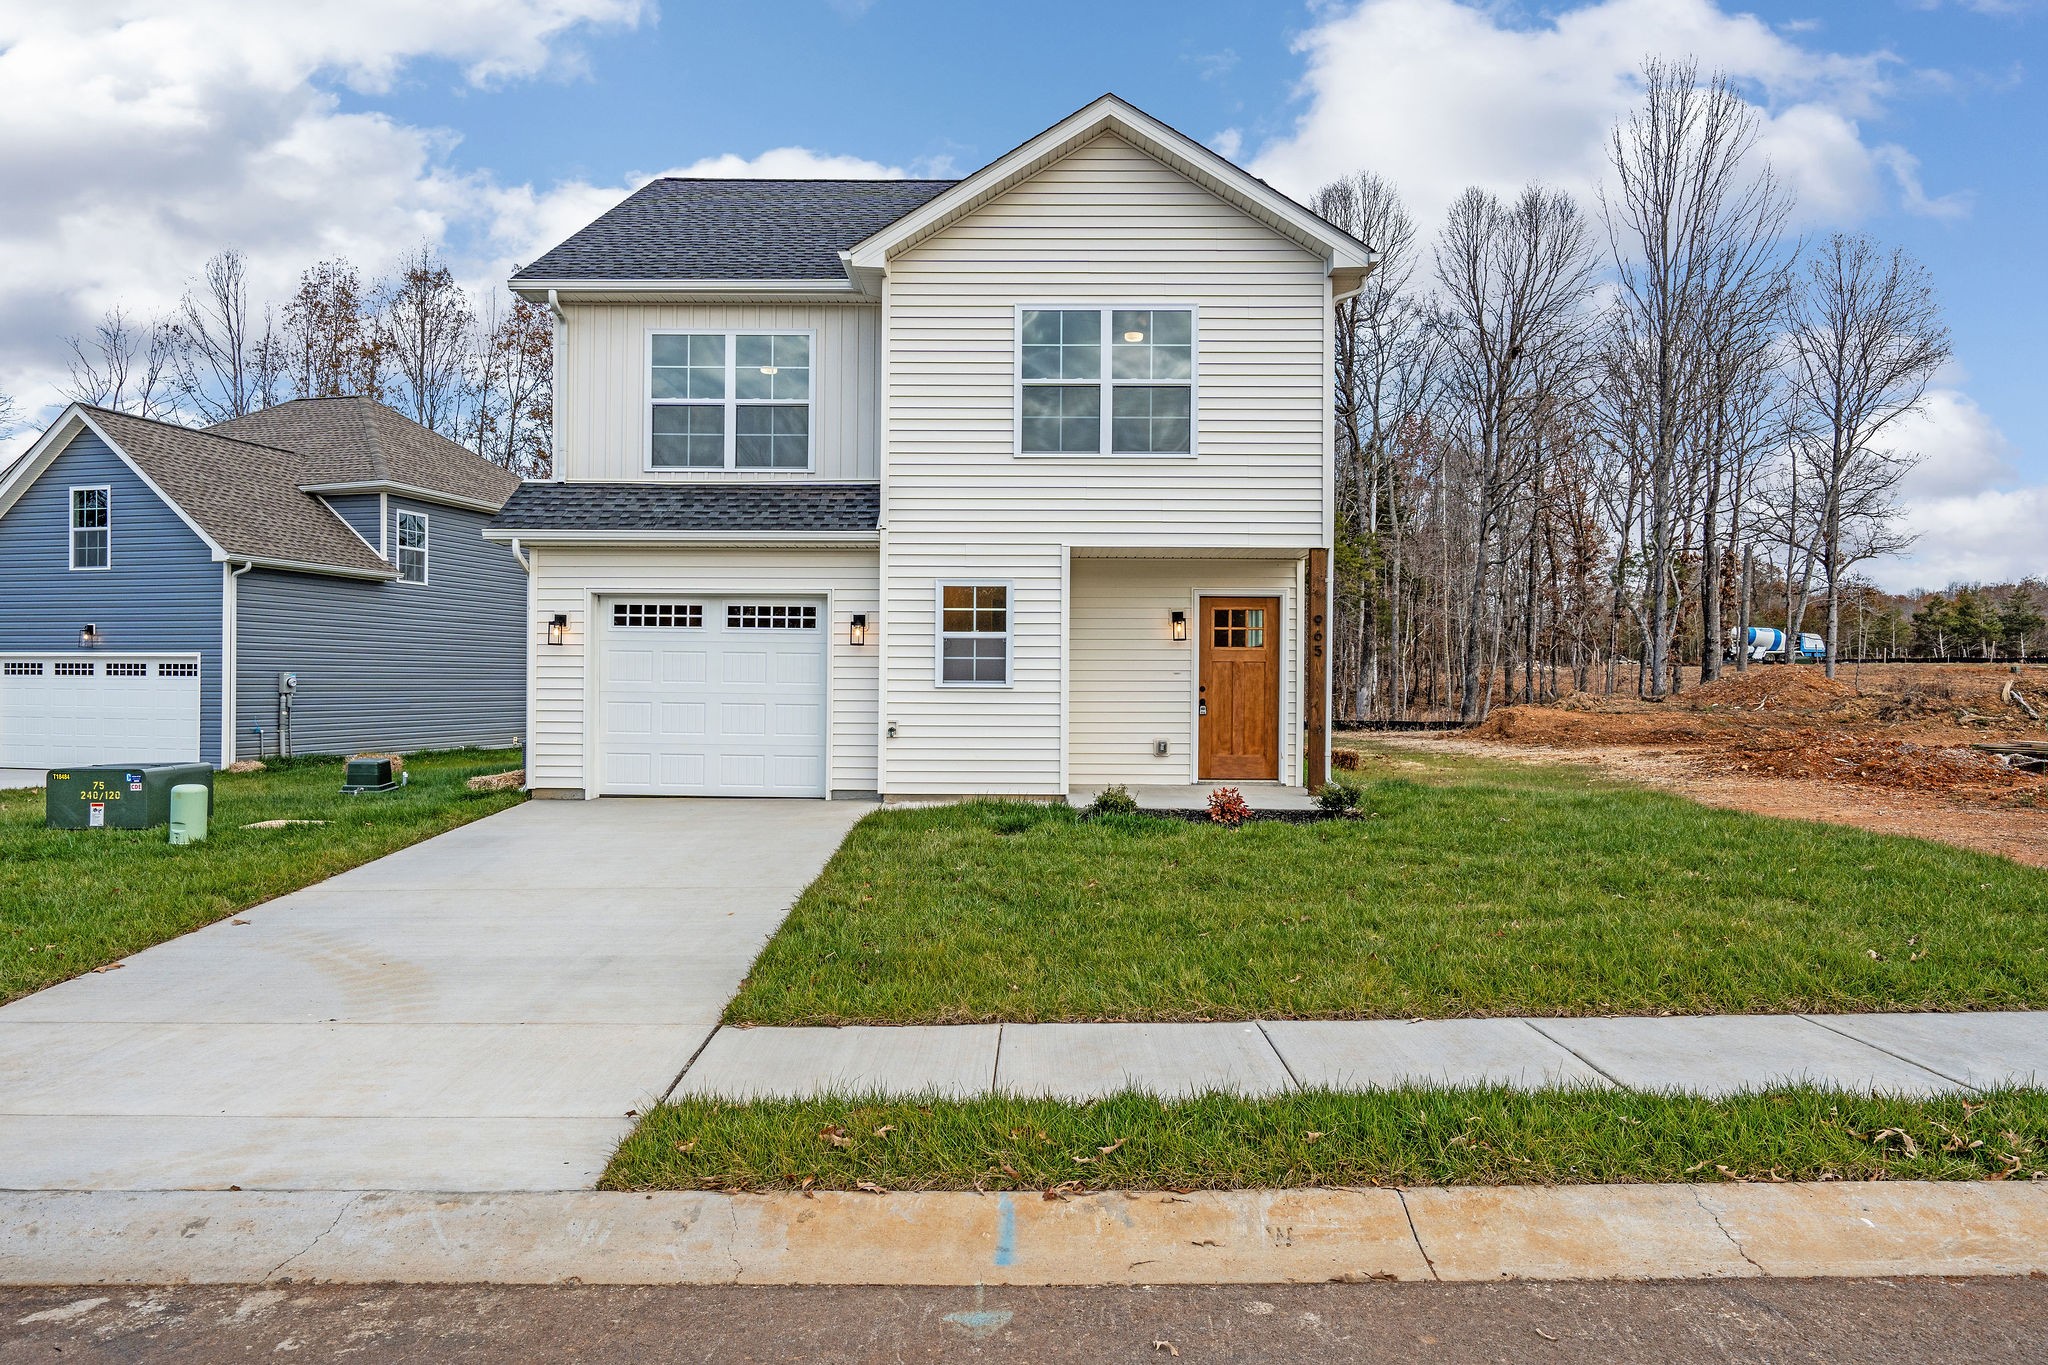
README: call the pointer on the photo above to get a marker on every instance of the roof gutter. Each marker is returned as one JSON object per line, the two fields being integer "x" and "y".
{"x": 306, "y": 566}
{"x": 604, "y": 536}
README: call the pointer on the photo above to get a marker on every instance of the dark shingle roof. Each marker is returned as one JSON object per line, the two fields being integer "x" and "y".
{"x": 751, "y": 508}
{"x": 359, "y": 440}
{"x": 732, "y": 230}
{"x": 244, "y": 495}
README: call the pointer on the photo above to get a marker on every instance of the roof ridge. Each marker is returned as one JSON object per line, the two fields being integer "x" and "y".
{"x": 192, "y": 431}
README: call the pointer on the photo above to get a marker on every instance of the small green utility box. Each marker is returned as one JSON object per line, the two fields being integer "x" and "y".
{"x": 126, "y": 796}
{"x": 369, "y": 773}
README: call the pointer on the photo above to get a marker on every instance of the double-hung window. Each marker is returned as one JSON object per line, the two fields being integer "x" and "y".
{"x": 1120, "y": 380}
{"x": 412, "y": 547}
{"x": 730, "y": 400}
{"x": 91, "y": 528}
{"x": 974, "y": 634}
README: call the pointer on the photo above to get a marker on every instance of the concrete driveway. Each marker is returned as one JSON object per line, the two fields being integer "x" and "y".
{"x": 477, "y": 1012}
{"x": 21, "y": 777}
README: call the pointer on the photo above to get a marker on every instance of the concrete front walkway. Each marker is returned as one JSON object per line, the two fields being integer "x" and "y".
{"x": 481, "y": 1011}
{"x": 1905, "y": 1054}
{"x": 21, "y": 777}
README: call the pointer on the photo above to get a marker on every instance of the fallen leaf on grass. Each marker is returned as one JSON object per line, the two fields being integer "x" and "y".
{"x": 689, "y": 1146}
{"x": 835, "y": 1135}
{"x": 870, "y": 1186}
{"x": 1905, "y": 1139}
{"x": 885, "y": 1130}
{"x": 1112, "y": 1146}
{"x": 1062, "y": 1190}
{"x": 1084, "y": 1161}
{"x": 805, "y": 1188}
{"x": 111, "y": 967}
{"x": 1311, "y": 1136}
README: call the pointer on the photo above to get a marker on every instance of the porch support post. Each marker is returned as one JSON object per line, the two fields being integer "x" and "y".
{"x": 1315, "y": 681}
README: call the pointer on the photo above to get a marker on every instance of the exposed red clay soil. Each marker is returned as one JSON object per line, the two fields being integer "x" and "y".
{"x": 1888, "y": 749}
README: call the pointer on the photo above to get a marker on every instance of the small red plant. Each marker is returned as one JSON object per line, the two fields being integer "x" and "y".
{"x": 1227, "y": 806}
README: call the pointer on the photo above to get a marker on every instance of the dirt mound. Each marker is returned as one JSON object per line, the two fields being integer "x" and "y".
{"x": 1772, "y": 688}
{"x": 1898, "y": 765}
{"x": 1558, "y": 725}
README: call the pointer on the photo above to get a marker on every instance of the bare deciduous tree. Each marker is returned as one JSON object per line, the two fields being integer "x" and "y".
{"x": 427, "y": 324}
{"x": 124, "y": 365}
{"x": 332, "y": 343}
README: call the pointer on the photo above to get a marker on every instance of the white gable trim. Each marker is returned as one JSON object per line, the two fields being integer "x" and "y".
{"x": 44, "y": 452}
{"x": 1173, "y": 148}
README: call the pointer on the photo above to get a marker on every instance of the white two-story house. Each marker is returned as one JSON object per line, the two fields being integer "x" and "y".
{"x": 1012, "y": 484}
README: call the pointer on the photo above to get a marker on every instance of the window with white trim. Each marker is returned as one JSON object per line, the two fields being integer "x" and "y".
{"x": 91, "y": 528}
{"x": 412, "y": 547}
{"x": 729, "y": 400}
{"x": 974, "y": 634}
{"x": 1062, "y": 408}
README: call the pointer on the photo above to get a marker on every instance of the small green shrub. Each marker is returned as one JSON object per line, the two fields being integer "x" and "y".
{"x": 1113, "y": 801}
{"x": 1337, "y": 797}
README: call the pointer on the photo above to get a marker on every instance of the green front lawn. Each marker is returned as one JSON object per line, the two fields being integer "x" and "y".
{"x": 72, "y": 900}
{"x": 1471, "y": 888}
{"x": 1317, "y": 1138}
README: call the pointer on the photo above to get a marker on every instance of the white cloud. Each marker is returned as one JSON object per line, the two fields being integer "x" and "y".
{"x": 1974, "y": 521}
{"x": 1440, "y": 94}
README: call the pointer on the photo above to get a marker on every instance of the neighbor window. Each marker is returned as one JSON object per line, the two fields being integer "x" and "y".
{"x": 91, "y": 525}
{"x": 1144, "y": 358}
{"x": 974, "y": 633}
{"x": 412, "y": 547}
{"x": 730, "y": 400}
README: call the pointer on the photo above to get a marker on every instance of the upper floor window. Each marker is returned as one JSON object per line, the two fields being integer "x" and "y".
{"x": 1114, "y": 379}
{"x": 730, "y": 400}
{"x": 412, "y": 547}
{"x": 91, "y": 528}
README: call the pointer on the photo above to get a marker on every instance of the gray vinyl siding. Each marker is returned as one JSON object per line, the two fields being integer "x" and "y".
{"x": 359, "y": 510}
{"x": 161, "y": 592}
{"x": 386, "y": 665}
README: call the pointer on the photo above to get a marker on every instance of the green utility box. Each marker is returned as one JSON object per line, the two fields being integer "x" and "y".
{"x": 368, "y": 773}
{"x": 124, "y": 796}
{"x": 190, "y": 803}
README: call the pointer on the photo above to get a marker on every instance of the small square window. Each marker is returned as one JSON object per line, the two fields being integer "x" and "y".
{"x": 974, "y": 634}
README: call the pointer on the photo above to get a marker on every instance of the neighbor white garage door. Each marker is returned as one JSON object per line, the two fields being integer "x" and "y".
{"x": 713, "y": 696}
{"x": 70, "y": 710}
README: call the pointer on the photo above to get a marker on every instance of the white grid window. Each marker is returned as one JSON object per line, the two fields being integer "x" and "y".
{"x": 729, "y": 400}
{"x": 127, "y": 670}
{"x": 16, "y": 668}
{"x": 974, "y": 634}
{"x": 91, "y": 528}
{"x": 412, "y": 547}
{"x": 66, "y": 669}
{"x": 1150, "y": 376}
{"x": 769, "y": 616}
{"x": 177, "y": 670}
{"x": 680, "y": 615}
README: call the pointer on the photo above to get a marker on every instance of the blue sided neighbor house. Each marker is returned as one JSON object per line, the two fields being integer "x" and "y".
{"x": 308, "y": 579}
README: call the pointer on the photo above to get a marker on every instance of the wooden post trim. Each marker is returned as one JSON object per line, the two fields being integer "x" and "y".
{"x": 1315, "y": 683}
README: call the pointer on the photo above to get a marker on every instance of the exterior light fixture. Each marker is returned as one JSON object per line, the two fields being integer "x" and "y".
{"x": 88, "y": 636}
{"x": 558, "y": 628}
{"x": 1180, "y": 625}
{"x": 858, "y": 635}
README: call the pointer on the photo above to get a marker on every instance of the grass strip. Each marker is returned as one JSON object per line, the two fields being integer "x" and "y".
{"x": 1322, "y": 1138}
{"x": 1469, "y": 888}
{"x": 73, "y": 900}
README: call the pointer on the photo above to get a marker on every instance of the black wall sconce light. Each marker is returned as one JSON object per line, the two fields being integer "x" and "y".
{"x": 1180, "y": 625}
{"x": 558, "y": 628}
{"x": 858, "y": 634}
{"x": 88, "y": 636}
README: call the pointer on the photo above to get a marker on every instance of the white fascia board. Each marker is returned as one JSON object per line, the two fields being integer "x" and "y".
{"x": 848, "y": 539}
{"x": 403, "y": 490}
{"x": 304, "y": 566}
{"x": 1109, "y": 114}
{"x": 538, "y": 291}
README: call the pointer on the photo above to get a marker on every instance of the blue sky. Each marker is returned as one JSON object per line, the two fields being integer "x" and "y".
{"x": 494, "y": 126}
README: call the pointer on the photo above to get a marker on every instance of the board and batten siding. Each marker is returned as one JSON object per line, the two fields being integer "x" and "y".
{"x": 161, "y": 593}
{"x": 1105, "y": 225}
{"x": 1131, "y": 683}
{"x": 578, "y": 581}
{"x": 604, "y": 395}
{"x": 383, "y": 665}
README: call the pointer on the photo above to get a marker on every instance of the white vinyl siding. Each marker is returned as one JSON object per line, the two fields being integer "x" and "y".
{"x": 1131, "y": 683}
{"x": 1106, "y": 226}
{"x": 604, "y": 393}
{"x": 575, "y": 580}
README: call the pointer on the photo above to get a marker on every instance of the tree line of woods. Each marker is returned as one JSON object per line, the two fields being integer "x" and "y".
{"x": 478, "y": 373}
{"x": 1578, "y": 445}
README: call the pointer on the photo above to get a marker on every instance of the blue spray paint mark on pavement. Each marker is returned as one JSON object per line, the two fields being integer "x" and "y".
{"x": 1006, "y": 1230}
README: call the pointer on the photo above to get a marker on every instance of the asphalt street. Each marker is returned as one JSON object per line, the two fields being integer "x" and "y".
{"x": 1982, "y": 1321}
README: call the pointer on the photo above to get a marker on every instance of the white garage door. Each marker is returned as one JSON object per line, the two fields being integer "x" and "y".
{"x": 69, "y": 710}
{"x": 714, "y": 696}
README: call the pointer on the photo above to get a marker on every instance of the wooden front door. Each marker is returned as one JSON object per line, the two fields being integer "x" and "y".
{"x": 1240, "y": 696}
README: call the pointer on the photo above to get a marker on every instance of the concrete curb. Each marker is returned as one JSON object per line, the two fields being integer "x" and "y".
{"x": 1614, "y": 1232}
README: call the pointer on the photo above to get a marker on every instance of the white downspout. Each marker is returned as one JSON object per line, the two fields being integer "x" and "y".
{"x": 230, "y": 646}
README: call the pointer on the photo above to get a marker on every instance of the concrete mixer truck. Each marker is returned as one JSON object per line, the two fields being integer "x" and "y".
{"x": 1767, "y": 646}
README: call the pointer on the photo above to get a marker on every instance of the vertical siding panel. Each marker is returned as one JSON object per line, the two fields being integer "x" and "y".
{"x": 161, "y": 593}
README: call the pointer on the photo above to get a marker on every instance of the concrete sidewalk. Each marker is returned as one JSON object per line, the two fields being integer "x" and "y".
{"x": 1903, "y": 1054}
{"x": 1230, "y": 1237}
{"x": 480, "y": 1011}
